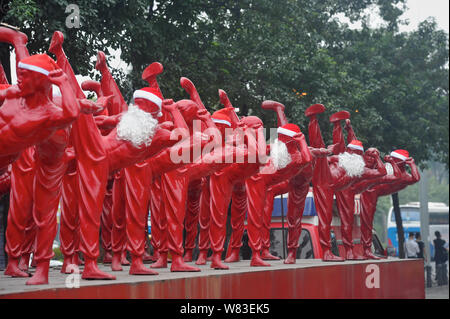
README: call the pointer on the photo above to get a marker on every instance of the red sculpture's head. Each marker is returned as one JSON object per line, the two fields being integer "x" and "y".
{"x": 149, "y": 100}
{"x": 400, "y": 157}
{"x": 32, "y": 73}
{"x": 370, "y": 156}
{"x": 287, "y": 132}
{"x": 355, "y": 147}
{"x": 222, "y": 120}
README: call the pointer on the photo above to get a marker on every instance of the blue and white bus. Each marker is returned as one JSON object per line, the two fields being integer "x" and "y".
{"x": 438, "y": 220}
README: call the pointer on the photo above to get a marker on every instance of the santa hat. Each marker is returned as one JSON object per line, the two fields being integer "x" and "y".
{"x": 151, "y": 94}
{"x": 356, "y": 145}
{"x": 400, "y": 154}
{"x": 289, "y": 130}
{"x": 221, "y": 117}
{"x": 40, "y": 63}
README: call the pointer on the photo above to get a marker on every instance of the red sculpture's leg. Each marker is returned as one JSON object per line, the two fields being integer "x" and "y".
{"x": 368, "y": 207}
{"x": 299, "y": 188}
{"x": 323, "y": 200}
{"x": 192, "y": 217}
{"x": 106, "y": 224}
{"x": 323, "y": 194}
{"x": 28, "y": 246}
{"x": 68, "y": 229}
{"x": 92, "y": 172}
{"x": 20, "y": 210}
{"x": 47, "y": 193}
{"x": 256, "y": 193}
{"x": 238, "y": 210}
{"x": 137, "y": 193}
{"x": 265, "y": 229}
{"x": 159, "y": 224}
{"x": 204, "y": 221}
{"x": 220, "y": 188}
{"x": 346, "y": 206}
{"x": 174, "y": 190}
{"x": 118, "y": 235}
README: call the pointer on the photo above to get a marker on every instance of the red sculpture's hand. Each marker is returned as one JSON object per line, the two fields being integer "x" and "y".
{"x": 57, "y": 77}
{"x": 409, "y": 161}
{"x": 348, "y": 125}
{"x": 89, "y": 107}
{"x": 320, "y": 152}
{"x": 388, "y": 158}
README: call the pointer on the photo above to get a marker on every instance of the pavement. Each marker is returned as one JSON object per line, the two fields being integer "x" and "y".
{"x": 437, "y": 292}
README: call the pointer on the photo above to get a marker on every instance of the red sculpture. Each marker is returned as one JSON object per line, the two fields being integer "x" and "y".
{"x": 330, "y": 175}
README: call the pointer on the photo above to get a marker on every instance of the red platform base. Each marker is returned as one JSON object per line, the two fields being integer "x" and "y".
{"x": 392, "y": 278}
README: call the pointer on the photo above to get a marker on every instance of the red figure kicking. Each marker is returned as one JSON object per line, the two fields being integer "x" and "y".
{"x": 332, "y": 174}
{"x": 369, "y": 198}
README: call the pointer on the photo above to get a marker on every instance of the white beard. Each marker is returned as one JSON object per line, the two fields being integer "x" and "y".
{"x": 280, "y": 155}
{"x": 136, "y": 126}
{"x": 353, "y": 164}
{"x": 389, "y": 169}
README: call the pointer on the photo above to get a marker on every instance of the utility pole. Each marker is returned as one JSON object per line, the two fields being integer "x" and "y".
{"x": 424, "y": 223}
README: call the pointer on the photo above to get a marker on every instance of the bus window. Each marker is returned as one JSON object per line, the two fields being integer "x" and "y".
{"x": 409, "y": 214}
{"x": 438, "y": 218}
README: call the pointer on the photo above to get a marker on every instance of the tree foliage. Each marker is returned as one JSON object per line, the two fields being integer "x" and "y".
{"x": 395, "y": 85}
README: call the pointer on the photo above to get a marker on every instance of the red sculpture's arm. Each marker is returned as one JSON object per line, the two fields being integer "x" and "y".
{"x": 415, "y": 175}
{"x": 375, "y": 173}
{"x": 304, "y": 149}
{"x": 69, "y": 102}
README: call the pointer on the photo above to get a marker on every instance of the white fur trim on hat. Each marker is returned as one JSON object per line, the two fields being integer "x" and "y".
{"x": 284, "y": 131}
{"x": 221, "y": 122}
{"x": 141, "y": 94}
{"x": 355, "y": 147}
{"x": 397, "y": 155}
{"x": 33, "y": 68}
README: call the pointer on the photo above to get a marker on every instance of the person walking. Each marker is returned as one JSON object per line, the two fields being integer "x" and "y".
{"x": 440, "y": 258}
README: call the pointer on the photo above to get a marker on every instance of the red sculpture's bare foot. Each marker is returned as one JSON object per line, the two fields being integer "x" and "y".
{"x": 161, "y": 262}
{"x": 266, "y": 255}
{"x": 24, "y": 262}
{"x": 101, "y": 62}
{"x": 329, "y": 256}
{"x": 124, "y": 261}
{"x": 107, "y": 259}
{"x": 314, "y": 109}
{"x": 339, "y": 116}
{"x": 351, "y": 255}
{"x": 13, "y": 269}
{"x": 13, "y": 37}
{"x": 115, "y": 263}
{"x": 138, "y": 268}
{"x": 201, "y": 260}
{"x": 155, "y": 256}
{"x": 209, "y": 258}
{"x": 257, "y": 261}
{"x": 146, "y": 257}
{"x": 77, "y": 260}
{"x": 216, "y": 261}
{"x": 291, "y": 257}
{"x": 368, "y": 255}
{"x": 91, "y": 271}
{"x": 40, "y": 277}
{"x": 233, "y": 257}
{"x": 56, "y": 43}
{"x": 179, "y": 265}
{"x": 187, "y": 255}
{"x": 68, "y": 260}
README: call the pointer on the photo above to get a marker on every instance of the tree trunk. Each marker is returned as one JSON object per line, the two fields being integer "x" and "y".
{"x": 399, "y": 222}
